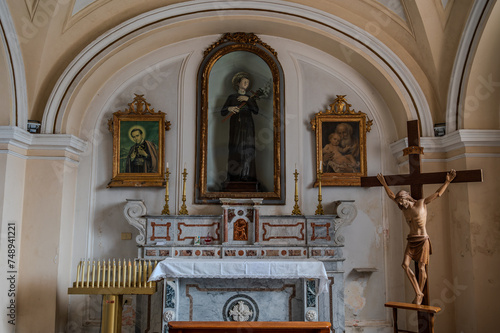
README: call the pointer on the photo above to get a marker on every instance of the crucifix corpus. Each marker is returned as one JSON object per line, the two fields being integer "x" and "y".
{"x": 414, "y": 206}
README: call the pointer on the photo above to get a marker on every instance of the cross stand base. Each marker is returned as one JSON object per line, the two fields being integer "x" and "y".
{"x": 427, "y": 326}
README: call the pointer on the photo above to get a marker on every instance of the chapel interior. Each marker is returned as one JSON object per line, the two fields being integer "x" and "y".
{"x": 66, "y": 66}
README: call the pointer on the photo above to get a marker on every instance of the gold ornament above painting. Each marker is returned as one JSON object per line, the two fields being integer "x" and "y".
{"x": 341, "y": 144}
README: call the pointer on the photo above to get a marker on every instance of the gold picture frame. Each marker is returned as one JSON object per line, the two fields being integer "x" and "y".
{"x": 240, "y": 153}
{"x": 138, "y": 145}
{"x": 341, "y": 144}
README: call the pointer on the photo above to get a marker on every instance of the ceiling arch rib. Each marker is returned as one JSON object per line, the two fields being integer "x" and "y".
{"x": 338, "y": 31}
{"x": 463, "y": 63}
{"x": 19, "y": 112}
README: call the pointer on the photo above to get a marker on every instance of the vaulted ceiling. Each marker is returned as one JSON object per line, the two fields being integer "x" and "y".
{"x": 425, "y": 36}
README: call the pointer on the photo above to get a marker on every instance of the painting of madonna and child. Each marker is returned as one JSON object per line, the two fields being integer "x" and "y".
{"x": 341, "y": 147}
{"x": 241, "y": 124}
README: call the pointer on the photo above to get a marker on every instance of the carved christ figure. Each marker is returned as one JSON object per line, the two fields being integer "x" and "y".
{"x": 418, "y": 246}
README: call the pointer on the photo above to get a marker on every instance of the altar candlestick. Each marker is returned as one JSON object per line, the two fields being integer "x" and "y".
{"x": 296, "y": 208}
{"x": 166, "y": 210}
{"x": 183, "y": 210}
{"x": 319, "y": 209}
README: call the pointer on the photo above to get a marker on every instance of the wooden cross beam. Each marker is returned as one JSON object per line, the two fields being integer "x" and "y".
{"x": 416, "y": 179}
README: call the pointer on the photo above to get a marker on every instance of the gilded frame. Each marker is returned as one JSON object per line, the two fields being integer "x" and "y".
{"x": 340, "y": 144}
{"x": 136, "y": 131}
{"x": 234, "y": 53}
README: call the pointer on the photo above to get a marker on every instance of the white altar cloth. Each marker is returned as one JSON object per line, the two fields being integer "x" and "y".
{"x": 242, "y": 269}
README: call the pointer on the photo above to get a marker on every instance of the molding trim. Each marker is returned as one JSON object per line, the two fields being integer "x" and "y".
{"x": 25, "y": 140}
{"x": 336, "y": 27}
{"x": 452, "y": 141}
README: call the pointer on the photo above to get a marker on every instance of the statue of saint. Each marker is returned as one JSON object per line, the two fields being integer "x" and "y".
{"x": 241, "y": 105}
{"x": 418, "y": 247}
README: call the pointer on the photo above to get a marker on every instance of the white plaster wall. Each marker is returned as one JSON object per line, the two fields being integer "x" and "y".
{"x": 167, "y": 77}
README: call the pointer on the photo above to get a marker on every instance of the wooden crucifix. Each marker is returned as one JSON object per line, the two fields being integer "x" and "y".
{"x": 416, "y": 179}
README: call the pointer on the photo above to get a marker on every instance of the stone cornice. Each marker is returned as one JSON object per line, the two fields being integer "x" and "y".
{"x": 25, "y": 140}
{"x": 452, "y": 141}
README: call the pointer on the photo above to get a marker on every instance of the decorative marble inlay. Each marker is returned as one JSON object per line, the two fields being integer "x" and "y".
{"x": 153, "y": 229}
{"x": 330, "y": 252}
{"x": 208, "y": 253}
{"x": 164, "y": 253}
{"x": 326, "y": 234}
{"x": 294, "y": 253}
{"x": 150, "y": 253}
{"x": 181, "y": 226}
{"x": 251, "y": 253}
{"x": 230, "y": 214}
{"x": 311, "y": 315}
{"x": 230, "y": 253}
{"x": 240, "y": 312}
{"x": 283, "y": 231}
{"x": 240, "y": 230}
{"x": 316, "y": 253}
{"x": 169, "y": 296}
{"x": 311, "y": 293}
{"x": 272, "y": 253}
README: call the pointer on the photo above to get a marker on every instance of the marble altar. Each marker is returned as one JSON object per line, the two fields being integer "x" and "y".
{"x": 241, "y": 238}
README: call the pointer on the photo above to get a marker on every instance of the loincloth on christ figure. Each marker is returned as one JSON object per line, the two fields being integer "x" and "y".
{"x": 418, "y": 248}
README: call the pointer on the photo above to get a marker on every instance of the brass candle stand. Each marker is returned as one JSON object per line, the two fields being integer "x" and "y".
{"x": 166, "y": 210}
{"x": 183, "y": 210}
{"x": 296, "y": 208}
{"x": 113, "y": 281}
{"x": 319, "y": 208}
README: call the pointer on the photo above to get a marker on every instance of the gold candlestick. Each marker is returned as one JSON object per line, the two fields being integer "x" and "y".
{"x": 183, "y": 210}
{"x": 319, "y": 209}
{"x": 166, "y": 210}
{"x": 296, "y": 208}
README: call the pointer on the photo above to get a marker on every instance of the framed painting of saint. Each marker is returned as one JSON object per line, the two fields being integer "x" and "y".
{"x": 138, "y": 145}
{"x": 341, "y": 144}
{"x": 240, "y": 127}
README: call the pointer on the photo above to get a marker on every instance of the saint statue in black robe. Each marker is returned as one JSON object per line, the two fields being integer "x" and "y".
{"x": 239, "y": 107}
